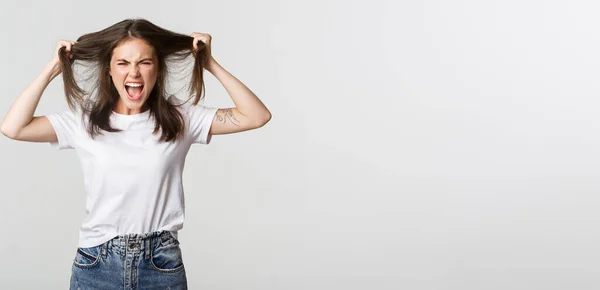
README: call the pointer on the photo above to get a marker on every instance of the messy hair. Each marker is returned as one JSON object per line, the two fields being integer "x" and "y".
{"x": 96, "y": 48}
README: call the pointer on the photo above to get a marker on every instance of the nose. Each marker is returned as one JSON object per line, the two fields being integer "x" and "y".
{"x": 134, "y": 70}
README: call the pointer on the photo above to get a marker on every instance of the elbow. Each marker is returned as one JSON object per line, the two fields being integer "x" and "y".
{"x": 264, "y": 119}
{"x": 259, "y": 122}
{"x": 8, "y": 133}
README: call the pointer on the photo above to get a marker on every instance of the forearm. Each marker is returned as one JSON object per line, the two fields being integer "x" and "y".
{"x": 245, "y": 100}
{"x": 22, "y": 110}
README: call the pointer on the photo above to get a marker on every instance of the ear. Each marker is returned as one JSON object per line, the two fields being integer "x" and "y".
{"x": 109, "y": 69}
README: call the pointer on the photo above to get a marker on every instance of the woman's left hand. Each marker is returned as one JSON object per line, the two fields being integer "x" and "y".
{"x": 205, "y": 38}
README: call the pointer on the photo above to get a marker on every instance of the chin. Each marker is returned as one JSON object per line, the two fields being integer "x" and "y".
{"x": 133, "y": 104}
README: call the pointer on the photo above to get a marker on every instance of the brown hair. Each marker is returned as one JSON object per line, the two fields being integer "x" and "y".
{"x": 96, "y": 48}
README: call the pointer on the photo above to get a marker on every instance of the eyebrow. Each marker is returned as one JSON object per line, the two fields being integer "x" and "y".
{"x": 144, "y": 59}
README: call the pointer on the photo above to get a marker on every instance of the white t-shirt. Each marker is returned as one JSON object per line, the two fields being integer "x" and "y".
{"x": 133, "y": 182}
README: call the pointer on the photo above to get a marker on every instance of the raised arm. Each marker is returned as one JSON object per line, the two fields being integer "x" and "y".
{"x": 19, "y": 123}
{"x": 249, "y": 112}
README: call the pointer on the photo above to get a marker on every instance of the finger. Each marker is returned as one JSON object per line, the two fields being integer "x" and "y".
{"x": 68, "y": 47}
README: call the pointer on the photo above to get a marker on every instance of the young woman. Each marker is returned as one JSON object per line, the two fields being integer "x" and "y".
{"x": 132, "y": 139}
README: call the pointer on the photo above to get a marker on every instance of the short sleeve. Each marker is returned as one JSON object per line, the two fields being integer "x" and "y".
{"x": 65, "y": 126}
{"x": 201, "y": 118}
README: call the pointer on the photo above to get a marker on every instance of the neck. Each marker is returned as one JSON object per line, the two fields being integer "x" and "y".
{"x": 123, "y": 110}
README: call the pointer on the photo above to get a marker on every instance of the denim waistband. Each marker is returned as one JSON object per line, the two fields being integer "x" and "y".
{"x": 140, "y": 243}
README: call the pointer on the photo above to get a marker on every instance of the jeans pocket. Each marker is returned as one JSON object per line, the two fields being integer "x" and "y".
{"x": 87, "y": 257}
{"x": 166, "y": 257}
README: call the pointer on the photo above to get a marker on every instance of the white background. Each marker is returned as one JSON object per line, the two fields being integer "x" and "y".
{"x": 414, "y": 145}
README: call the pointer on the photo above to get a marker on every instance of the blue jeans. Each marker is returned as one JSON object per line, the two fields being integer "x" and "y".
{"x": 134, "y": 261}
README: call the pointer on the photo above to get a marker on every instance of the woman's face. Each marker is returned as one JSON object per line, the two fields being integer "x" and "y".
{"x": 133, "y": 69}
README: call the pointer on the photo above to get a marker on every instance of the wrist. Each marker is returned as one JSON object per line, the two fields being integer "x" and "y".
{"x": 211, "y": 65}
{"x": 52, "y": 69}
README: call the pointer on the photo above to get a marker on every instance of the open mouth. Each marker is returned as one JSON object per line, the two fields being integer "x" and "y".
{"x": 134, "y": 91}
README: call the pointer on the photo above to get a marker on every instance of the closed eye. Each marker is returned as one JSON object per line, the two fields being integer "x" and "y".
{"x": 142, "y": 63}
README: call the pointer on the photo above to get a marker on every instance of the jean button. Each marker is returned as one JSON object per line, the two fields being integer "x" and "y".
{"x": 131, "y": 246}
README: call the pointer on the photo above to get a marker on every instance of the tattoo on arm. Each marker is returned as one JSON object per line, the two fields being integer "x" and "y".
{"x": 224, "y": 115}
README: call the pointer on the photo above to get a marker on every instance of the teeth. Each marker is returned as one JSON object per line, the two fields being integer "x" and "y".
{"x": 134, "y": 85}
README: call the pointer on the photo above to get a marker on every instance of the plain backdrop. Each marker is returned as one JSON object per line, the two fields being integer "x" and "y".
{"x": 420, "y": 144}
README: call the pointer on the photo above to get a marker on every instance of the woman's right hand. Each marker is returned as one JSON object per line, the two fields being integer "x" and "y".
{"x": 55, "y": 61}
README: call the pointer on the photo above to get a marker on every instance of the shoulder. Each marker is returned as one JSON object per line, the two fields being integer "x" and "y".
{"x": 66, "y": 116}
{"x": 182, "y": 106}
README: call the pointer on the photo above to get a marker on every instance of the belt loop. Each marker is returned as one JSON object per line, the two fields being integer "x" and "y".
{"x": 148, "y": 247}
{"x": 103, "y": 249}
